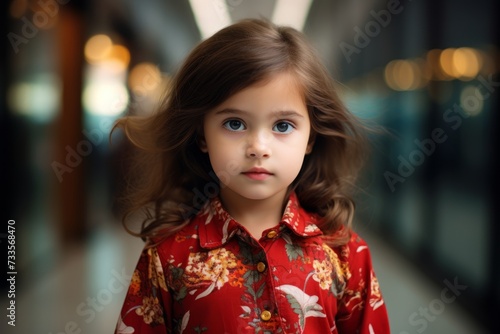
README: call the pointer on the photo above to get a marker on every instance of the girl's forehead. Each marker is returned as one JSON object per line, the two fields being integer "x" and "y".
{"x": 282, "y": 83}
{"x": 289, "y": 76}
{"x": 277, "y": 95}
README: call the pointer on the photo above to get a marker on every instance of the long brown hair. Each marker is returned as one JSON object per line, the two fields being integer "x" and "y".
{"x": 173, "y": 179}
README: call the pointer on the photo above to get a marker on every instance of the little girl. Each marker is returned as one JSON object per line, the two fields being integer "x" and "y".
{"x": 244, "y": 181}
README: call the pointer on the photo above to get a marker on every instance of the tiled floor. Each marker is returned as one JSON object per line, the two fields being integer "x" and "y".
{"x": 83, "y": 294}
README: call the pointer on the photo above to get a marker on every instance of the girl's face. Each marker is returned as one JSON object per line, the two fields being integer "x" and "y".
{"x": 257, "y": 139}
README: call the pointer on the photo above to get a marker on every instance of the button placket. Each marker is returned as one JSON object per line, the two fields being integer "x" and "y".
{"x": 265, "y": 302}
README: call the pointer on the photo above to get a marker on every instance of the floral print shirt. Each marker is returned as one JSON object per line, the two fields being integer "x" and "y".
{"x": 213, "y": 277}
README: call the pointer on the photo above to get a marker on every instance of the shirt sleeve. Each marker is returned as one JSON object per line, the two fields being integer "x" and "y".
{"x": 361, "y": 308}
{"x": 146, "y": 306}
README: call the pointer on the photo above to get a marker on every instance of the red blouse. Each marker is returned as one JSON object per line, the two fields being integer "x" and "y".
{"x": 213, "y": 277}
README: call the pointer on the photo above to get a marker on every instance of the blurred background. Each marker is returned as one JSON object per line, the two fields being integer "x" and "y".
{"x": 424, "y": 70}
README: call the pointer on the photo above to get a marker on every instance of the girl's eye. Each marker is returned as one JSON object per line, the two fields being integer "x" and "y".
{"x": 283, "y": 127}
{"x": 234, "y": 125}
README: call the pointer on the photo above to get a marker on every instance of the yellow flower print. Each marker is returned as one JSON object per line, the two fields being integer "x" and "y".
{"x": 376, "y": 297}
{"x": 213, "y": 266}
{"x": 156, "y": 270}
{"x": 323, "y": 273}
{"x": 151, "y": 311}
{"x": 341, "y": 269}
{"x": 331, "y": 273}
{"x": 135, "y": 283}
{"x": 236, "y": 276}
{"x": 375, "y": 287}
{"x": 345, "y": 270}
{"x": 236, "y": 281}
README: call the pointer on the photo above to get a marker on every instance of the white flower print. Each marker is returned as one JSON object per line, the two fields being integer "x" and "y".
{"x": 303, "y": 304}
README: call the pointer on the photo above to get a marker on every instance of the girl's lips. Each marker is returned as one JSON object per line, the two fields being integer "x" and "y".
{"x": 257, "y": 174}
{"x": 257, "y": 170}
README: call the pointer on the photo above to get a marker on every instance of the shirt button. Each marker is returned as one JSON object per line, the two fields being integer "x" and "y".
{"x": 272, "y": 234}
{"x": 261, "y": 267}
{"x": 265, "y": 315}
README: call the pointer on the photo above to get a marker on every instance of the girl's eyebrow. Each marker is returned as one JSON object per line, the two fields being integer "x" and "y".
{"x": 278, "y": 113}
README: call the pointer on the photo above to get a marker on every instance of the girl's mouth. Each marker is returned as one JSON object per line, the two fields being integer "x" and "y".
{"x": 257, "y": 173}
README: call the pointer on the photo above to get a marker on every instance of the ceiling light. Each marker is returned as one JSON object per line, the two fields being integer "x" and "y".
{"x": 210, "y": 16}
{"x": 293, "y": 15}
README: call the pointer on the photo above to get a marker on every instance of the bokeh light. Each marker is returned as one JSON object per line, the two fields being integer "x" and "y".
{"x": 105, "y": 98}
{"x": 446, "y": 63}
{"x": 144, "y": 77}
{"x": 38, "y": 98}
{"x": 472, "y": 100}
{"x": 403, "y": 75}
{"x": 98, "y": 48}
{"x": 466, "y": 62}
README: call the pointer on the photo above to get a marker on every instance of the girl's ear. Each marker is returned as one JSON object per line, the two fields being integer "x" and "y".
{"x": 200, "y": 139}
{"x": 309, "y": 147}
{"x": 310, "y": 144}
{"x": 202, "y": 144}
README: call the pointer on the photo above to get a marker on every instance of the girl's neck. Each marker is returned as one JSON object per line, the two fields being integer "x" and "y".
{"x": 255, "y": 215}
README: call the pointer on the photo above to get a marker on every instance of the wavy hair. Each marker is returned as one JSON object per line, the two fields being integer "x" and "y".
{"x": 173, "y": 179}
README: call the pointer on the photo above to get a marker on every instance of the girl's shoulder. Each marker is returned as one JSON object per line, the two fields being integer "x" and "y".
{"x": 355, "y": 251}
{"x": 181, "y": 241}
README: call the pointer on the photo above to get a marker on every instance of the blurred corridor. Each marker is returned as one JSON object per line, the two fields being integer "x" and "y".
{"x": 426, "y": 71}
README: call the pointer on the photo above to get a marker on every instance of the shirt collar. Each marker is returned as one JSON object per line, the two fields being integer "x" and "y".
{"x": 216, "y": 227}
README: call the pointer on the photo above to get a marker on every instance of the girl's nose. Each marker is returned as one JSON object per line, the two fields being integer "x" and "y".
{"x": 259, "y": 146}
